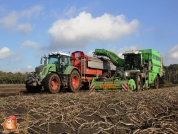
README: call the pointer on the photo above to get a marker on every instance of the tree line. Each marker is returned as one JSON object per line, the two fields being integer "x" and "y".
{"x": 171, "y": 76}
{"x": 12, "y": 78}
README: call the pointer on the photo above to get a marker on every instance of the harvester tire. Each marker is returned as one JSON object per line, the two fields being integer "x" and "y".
{"x": 138, "y": 82}
{"x": 74, "y": 81}
{"x": 52, "y": 83}
{"x": 156, "y": 82}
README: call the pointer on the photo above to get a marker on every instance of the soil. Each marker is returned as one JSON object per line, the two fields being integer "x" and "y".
{"x": 153, "y": 111}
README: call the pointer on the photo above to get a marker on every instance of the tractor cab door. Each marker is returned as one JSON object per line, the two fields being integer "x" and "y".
{"x": 65, "y": 62}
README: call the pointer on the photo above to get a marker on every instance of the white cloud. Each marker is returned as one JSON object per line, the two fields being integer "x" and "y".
{"x": 123, "y": 49}
{"x": 4, "y": 50}
{"x": 17, "y": 59}
{"x": 90, "y": 53}
{"x": 173, "y": 52}
{"x": 119, "y": 52}
{"x": 25, "y": 28}
{"x": 29, "y": 67}
{"x": 171, "y": 56}
{"x": 29, "y": 43}
{"x": 4, "y": 53}
{"x": 84, "y": 29}
{"x": 70, "y": 11}
{"x": 9, "y": 21}
{"x": 33, "y": 11}
{"x": 23, "y": 69}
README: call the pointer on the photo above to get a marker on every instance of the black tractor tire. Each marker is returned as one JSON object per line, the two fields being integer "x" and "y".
{"x": 74, "y": 81}
{"x": 30, "y": 89}
{"x": 138, "y": 82}
{"x": 46, "y": 90}
{"x": 85, "y": 86}
{"x": 33, "y": 89}
{"x": 38, "y": 88}
{"x": 156, "y": 82}
{"x": 52, "y": 83}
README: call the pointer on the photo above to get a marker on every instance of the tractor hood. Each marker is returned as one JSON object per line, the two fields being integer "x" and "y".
{"x": 47, "y": 69}
{"x": 39, "y": 68}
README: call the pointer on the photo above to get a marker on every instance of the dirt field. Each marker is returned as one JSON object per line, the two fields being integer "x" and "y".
{"x": 146, "y": 112}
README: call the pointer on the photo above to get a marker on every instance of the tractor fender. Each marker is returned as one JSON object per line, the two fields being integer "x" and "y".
{"x": 69, "y": 69}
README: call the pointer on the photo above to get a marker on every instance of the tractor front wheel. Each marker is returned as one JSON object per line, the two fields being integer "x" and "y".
{"x": 33, "y": 89}
{"x": 52, "y": 83}
{"x": 74, "y": 81}
{"x": 29, "y": 89}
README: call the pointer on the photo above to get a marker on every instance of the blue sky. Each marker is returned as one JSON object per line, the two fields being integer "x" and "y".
{"x": 30, "y": 29}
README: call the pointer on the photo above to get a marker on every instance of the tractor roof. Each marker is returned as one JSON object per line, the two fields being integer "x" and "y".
{"x": 132, "y": 52}
{"x": 59, "y": 53}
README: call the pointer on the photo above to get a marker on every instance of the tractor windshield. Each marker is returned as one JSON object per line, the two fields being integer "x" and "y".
{"x": 53, "y": 59}
{"x": 132, "y": 61}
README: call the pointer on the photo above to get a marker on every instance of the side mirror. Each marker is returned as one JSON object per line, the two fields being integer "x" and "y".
{"x": 63, "y": 58}
{"x": 41, "y": 60}
{"x": 45, "y": 61}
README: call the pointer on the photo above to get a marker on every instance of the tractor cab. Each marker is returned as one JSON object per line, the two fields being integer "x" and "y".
{"x": 54, "y": 62}
{"x": 61, "y": 60}
{"x": 132, "y": 61}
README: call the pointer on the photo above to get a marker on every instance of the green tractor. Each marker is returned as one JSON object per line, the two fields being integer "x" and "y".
{"x": 54, "y": 75}
{"x": 138, "y": 70}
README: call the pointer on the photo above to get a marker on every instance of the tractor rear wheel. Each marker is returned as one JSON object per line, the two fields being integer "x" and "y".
{"x": 52, "y": 83}
{"x": 138, "y": 82}
{"x": 156, "y": 83}
{"x": 74, "y": 81}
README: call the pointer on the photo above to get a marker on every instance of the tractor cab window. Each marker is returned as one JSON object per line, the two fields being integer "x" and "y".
{"x": 53, "y": 59}
{"x": 65, "y": 59}
{"x": 132, "y": 61}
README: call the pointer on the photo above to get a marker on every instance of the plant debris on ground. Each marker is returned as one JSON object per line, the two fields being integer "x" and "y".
{"x": 153, "y": 111}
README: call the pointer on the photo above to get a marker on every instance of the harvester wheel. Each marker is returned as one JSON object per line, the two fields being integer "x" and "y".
{"x": 52, "y": 83}
{"x": 156, "y": 83}
{"x": 138, "y": 82}
{"x": 74, "y": 81}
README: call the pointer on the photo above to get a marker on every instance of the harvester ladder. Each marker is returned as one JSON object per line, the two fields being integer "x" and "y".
{"x": 83, "y": 67}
